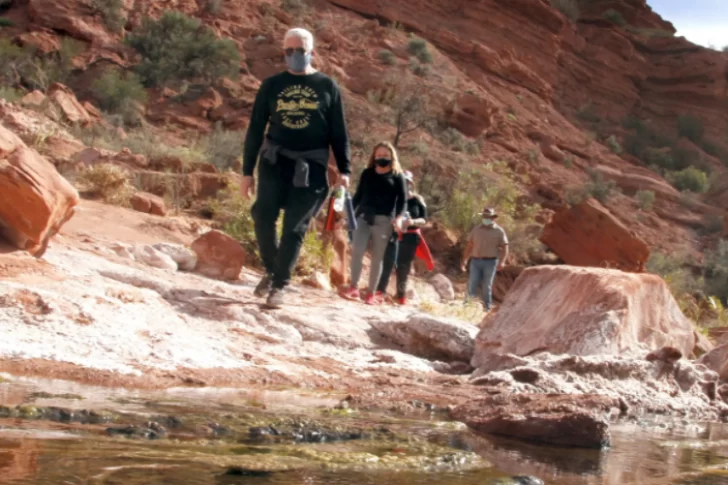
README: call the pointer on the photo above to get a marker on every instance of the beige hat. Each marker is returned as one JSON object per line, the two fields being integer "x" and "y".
{"x": 489, "y": 212}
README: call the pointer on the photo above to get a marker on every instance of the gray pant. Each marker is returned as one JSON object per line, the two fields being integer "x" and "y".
{"x": 379, "y": 235}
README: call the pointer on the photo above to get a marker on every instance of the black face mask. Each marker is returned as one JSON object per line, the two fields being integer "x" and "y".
{"x": 383, "y": 162}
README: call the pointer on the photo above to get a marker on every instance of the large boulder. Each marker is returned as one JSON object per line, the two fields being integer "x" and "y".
{"x": 717, "y": 360}
{"x": 589, "y": 235}
{"x": 218, "y": 255}
{"x": 563, "y": 420}
{"x": 35, "y": 199}
{"x": 584, "y": 311}
{"x": 430, "y": 337}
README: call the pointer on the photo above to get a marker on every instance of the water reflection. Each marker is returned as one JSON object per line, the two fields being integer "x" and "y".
{"x": 19, "y": 459}
{"x": 43, "y": 452}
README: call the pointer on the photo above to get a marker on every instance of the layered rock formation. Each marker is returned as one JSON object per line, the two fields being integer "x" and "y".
{"x": 584, "y": 311}
{"x": 589, "y": 235}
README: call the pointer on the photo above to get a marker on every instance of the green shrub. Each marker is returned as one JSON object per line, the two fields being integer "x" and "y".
{"x": 570, "y": 8}
{"x": 716, "y": 270}
{"x": 416, "y": 45}
{"x": 599, "y": 188}
{"x": 690, "y": 179}
{"x": 213, "y": 7}
{"x": 713, "y": 224}
{"x": 231, "y": 213}
{"x": 614, "y": 17}
{"x": 425, "y": 56}
{"x": 614, "y": 145}
{"x": 645, "y": 199}
{"x": 177, "y": 47}
{"x": 673, "y": 269}
{"x": 24, "y": 66}
{"x": 294, "y": 6}
{"x": 659, "y": 157}
{"x": 458, "y": 142}
{"x": 5, "y": 22}
{"x": 419, "y": 69}
{"x": 387, "y": 57}
{"x": 112, "y": 11}
{"x": 224, "y": 147}
{"x": 117, "y": 92}
{"x": 690, "y": 127}
{"x": 587, "y": 113}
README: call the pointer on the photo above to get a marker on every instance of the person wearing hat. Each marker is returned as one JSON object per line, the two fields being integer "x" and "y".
{"x": 487, "y": 250}
{"x": 402, "y": 247}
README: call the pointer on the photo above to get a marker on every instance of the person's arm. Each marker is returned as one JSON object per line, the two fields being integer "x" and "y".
{"x": 466, "y": 254}
{"x": 503, "y": 251}
{"x": 339, "y": 135}
{"x": 420, "y": 221}
{"x": 401, "y": 202}
{"x": 256, "y": 130}
{"x": 356, "y": 200}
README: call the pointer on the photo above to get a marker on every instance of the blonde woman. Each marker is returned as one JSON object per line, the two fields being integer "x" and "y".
{"x": 379, "y": 203}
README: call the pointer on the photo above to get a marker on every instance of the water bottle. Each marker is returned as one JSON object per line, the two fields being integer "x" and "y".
{"x": 339, "y": 198}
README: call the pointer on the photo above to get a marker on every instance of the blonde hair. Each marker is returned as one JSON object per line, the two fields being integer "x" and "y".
{"x": 396, "y": 167}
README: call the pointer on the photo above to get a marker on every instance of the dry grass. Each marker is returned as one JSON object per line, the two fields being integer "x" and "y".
{"x": 107, "y": 182}
{"x": 471, "y": 312}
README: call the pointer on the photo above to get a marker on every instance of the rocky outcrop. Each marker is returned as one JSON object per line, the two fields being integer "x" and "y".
{"x": 72, "y": 111}
{"x": 74, "y": 17}
{"x": 431, "y": 338}
{"x": 660, "y": 383}
{"x": 589, "y": 235}
{"x": 584, "y": 311}
{"x": 553, "y": 419}
{"x": 148, "y": 204}
{"x": 36, "y": 199}
{"x": 717, "y": 360}
{"x": 218, "y": 255}
{"x": 443, "y": 286}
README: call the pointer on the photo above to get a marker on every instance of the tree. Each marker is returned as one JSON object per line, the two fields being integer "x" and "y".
{"x": 411, "y": 106}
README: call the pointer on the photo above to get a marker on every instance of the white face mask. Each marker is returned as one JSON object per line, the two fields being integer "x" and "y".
{"x": 487, "y": 222}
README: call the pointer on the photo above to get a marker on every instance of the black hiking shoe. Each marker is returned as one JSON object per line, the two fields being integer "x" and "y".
{"x": 276, "y": 298}
{"x": 264, "y": 286}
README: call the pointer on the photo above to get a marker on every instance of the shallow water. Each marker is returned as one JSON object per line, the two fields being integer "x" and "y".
{"x": 48, "y": 439}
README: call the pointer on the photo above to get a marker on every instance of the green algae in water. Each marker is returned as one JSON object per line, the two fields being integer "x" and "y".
{"x": 46, "y": 395}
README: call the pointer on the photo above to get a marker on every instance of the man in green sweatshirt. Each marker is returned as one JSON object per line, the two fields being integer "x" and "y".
{"x": 304, "y": 116}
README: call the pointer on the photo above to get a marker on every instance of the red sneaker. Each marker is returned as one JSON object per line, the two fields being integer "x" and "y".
{"x": 380, "y": 297}
{"x": 402, "y": 301}
{"x": 350, "y": 293}
{"x": 371, "y": 299}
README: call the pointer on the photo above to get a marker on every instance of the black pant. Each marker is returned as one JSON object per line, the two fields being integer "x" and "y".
{"x": 275, "y": 193}
{"x": 404, "y": 253}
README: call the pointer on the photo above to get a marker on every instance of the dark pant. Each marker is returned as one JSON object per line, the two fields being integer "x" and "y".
{"x": 403, "y": 253}
{"x": 275, "y": 193}
{"x": 390, "y": 257}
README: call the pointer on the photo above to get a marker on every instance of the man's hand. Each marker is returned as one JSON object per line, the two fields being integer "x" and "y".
{"x": 247, "y": 186}
{"x": 500, "y": 266}
{"x": 463, "y": 267}
{"x": 344, "y": 181}
{"x": 399, "y": 223}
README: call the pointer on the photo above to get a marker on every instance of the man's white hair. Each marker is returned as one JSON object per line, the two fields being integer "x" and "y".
{"x": 303, "y": 34}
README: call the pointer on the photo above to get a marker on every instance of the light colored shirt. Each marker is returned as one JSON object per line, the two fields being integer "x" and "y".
{"x": 487, "y": 240}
